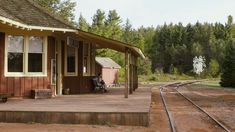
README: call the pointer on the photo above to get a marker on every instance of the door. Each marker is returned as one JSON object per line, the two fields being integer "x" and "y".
{"x": 58, "y": 73}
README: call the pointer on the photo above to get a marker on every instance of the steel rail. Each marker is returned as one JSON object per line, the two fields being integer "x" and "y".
{"x": 209, "y": 115}
{"x": 171, "y": 121}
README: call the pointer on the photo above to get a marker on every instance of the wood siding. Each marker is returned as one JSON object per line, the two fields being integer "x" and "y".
{"x": 77, "y": 84}
{"x": 22, "y": 86}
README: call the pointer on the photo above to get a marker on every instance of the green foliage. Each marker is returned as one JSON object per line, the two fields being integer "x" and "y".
{"x": 228, "y": 67}
{"x": 213, "y": 69}
{"x": 144, "y": 67}
{"x": 63, "y": 8}
{"x": 170, "y": 44}
{"x": 163, "y": 77}
{"x": 83, "y": 25}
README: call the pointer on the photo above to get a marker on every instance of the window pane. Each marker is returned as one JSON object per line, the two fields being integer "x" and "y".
{"x": 35, "y": 62}
{"x": 70, "y": 59}
{"x": 15, "y": 62}
{"x": 15, "y": 44}
{"x": 35, "y": 44}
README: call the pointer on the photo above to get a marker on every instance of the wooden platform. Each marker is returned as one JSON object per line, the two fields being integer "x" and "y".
{"x": 108, "y": 108}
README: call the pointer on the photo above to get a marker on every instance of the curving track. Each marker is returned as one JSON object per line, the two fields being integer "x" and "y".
{"x": 174, "y": 87}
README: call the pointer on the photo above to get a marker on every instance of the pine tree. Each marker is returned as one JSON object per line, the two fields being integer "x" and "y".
{"x": 228, "y": 67}
{"x": 83, "y": 25}
{"x": 63, "y": 8}
{"x": 98, "y": 19}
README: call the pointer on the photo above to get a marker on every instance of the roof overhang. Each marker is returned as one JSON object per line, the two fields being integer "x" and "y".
{"x": 23, "y": 26}
{"x": 103, "y": 42}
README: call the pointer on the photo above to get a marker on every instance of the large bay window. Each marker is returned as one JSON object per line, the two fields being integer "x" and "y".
{"x": 25, "y": 56}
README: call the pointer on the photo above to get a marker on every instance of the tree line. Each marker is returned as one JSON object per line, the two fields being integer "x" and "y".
{"x": 169, "y": 48}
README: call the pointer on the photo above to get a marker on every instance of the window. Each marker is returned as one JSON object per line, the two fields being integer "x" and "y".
{"x": 25, "y": 56}
{"x": 35, "y": 54}
{"x": 71, "y": 57}
{"x": 86, "y": 59}
{"x": 15, "y": 53}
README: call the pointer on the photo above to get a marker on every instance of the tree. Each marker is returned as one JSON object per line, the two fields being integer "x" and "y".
{"x": 228, "y": 67}
{"x": 63, "y": 8}
{"x": 213, "y": 68}
{"x": 83, "y": 25}
{"x": 112, "y": 26}
{"x": 98, "y": 19}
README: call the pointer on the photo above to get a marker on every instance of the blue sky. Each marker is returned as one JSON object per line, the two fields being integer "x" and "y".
{"x": 157, "y": 12}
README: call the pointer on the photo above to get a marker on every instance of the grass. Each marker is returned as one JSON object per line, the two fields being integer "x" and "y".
{"x": 163, "y": 78}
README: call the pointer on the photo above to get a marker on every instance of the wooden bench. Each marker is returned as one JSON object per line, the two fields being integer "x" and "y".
{"x": 97, "y": 86}
{"x": 4, "y": 97}
{"x": 41, "y": 93}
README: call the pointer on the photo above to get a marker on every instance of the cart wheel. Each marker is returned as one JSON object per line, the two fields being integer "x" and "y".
{"x": 4, "y": 100}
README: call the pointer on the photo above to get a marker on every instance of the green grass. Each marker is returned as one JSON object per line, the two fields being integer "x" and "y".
{"x": 163, "y": 77}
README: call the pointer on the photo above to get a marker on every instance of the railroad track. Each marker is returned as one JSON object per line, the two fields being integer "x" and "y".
{"x": 176, "y": 86}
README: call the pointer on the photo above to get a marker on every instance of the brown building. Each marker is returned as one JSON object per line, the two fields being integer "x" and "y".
{"x": 41, "y": 51}
{"x": 109, "y": 70}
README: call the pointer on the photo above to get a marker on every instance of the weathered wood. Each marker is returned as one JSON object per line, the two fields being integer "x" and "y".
{"x": 4, "y": 97}
{"x": 41, "y": 93}
{"x": 127, "y": 64}
{"x": 97, "y": 118}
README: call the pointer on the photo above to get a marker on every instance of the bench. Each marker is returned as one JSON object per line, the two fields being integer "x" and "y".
{"x": 4, "y": 97}
{"x": 41, "y": 93}
{"x": 97, "y": 86}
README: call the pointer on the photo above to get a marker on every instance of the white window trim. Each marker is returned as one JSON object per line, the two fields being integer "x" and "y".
{"x": 25, "y": 72}
{"x": 66, "y": 73}
{"x": 88, "y": 73}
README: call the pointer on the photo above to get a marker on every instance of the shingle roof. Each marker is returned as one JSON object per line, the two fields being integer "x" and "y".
{"x": 107, "y": 62}
{"x": 28, "y": 12}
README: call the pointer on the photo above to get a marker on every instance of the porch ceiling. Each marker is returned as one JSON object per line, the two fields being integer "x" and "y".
{"x": 103, "y": 42}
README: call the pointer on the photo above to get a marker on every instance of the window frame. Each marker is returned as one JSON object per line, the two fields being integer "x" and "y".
{"x": 66, "y": 73}
{"x": 25, "y": 72}
{"x": 89, "y": 60}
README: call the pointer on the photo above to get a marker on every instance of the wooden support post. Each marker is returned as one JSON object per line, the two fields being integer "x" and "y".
{"x": 131, "y": 74}
{"x": 127, "y": 63}
{"x": 135, "y": 76}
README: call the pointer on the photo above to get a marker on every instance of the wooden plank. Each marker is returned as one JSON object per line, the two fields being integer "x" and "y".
{"x": 28, "y": 86}
{"x": 17, "y": 85}
{"x": 10, "y": 85}
{"x": 127, "y": 61}
{"x": 22, "y": 86}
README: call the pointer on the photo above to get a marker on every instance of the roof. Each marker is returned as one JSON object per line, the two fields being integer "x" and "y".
{"x": 107, "y": 62}
{"x": 111, "y": 44}
{"x": 29, "y": 13}
{"x": 26, "y": 14}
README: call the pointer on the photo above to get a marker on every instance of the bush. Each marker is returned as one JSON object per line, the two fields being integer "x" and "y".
{"x": 213, "y": 69}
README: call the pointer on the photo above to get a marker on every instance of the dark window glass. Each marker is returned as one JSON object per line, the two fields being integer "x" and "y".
{"x": 71, "y": 59}
{"x": 15, "y": 62}
{"x": 15, "y": 53}
{"x": 71, "y": 64}
{"x": 35, "y": 62}
{"x": 35, "y": 54}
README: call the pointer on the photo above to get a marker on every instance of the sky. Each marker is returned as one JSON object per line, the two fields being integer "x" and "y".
{"x": 157, "y": 12}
